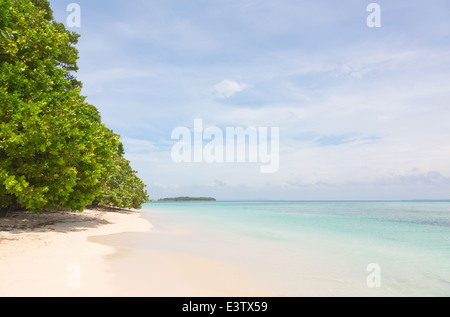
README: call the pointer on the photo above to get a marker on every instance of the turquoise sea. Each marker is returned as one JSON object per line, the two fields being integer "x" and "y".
{"x": 409, "y": 241}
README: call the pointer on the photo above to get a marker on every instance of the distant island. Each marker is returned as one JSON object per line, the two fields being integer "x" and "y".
{"x": 187, "y": 199}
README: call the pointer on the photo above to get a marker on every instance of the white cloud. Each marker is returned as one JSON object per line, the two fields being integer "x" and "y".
{"x": 152, "y": 66}
{"x": 228, "y": 88}
{"x": 163, "y": 186}
{"x": 135, "y": 146}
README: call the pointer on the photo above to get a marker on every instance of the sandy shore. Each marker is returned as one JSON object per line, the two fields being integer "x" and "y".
{"x": 50, "y": 255}
{"x": 97, "y": 254}
{"x": 63, "y": 254}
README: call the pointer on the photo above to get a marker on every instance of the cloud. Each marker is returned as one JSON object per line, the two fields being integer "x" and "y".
{"x": 163, "y": 186}
{"x": 137, "y": 146}
{"x": 414, "y": 178}
{"x": 228, "y": 88}
{"x": 358, "y": 109}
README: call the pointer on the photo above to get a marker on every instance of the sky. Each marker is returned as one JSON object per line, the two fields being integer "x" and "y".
{"x": 363, "y": 112}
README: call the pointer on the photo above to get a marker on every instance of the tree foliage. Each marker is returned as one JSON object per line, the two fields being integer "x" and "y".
{"x": 55, "y": 153}
{"x": 124, "y": 189}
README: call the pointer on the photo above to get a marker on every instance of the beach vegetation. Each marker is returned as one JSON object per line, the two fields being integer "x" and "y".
{"x": 124, "y": 189}
{"x": 55, "y": 152}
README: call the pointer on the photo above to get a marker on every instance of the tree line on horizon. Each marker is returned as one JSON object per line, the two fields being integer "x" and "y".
{"x": 55, "y": 152}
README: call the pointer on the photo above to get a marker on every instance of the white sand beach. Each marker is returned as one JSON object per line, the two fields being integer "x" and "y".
{"x": 50, "y": 255}
{"x": 55, "y": 255}
{"x": 92, "y": 254}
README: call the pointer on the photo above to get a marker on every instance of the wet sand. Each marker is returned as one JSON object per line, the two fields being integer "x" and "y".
{"x": 181, "y": 257}
{"x": 150, "y": 254}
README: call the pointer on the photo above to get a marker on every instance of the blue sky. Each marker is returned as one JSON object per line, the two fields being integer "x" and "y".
{"x": 363, "y": 112}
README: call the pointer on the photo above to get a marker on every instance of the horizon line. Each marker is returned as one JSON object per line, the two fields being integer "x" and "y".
{"x": 316, "y": 200}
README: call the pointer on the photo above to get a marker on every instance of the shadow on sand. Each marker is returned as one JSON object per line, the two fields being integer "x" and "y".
{"x": 17, "y": 222}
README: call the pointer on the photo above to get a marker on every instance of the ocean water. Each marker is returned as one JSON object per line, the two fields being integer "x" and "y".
{"x": 408, "y": 241}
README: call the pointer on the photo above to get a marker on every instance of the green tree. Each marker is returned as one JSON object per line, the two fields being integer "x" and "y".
{"x": 55, "y": 153}
{"x": 124, "y": 189}
{"x": 69, "y": 54}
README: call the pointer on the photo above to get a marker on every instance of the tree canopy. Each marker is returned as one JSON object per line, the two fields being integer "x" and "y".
{"x": 55, "y": 153}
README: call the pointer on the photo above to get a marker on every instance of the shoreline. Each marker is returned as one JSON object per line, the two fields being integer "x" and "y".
{"x": 64, "y": 254}
{"x": 181, "y": 257}
{"x": 50, "y": 254}
{"x": 156, "y": 268}
{"x": 121, "y": 253}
